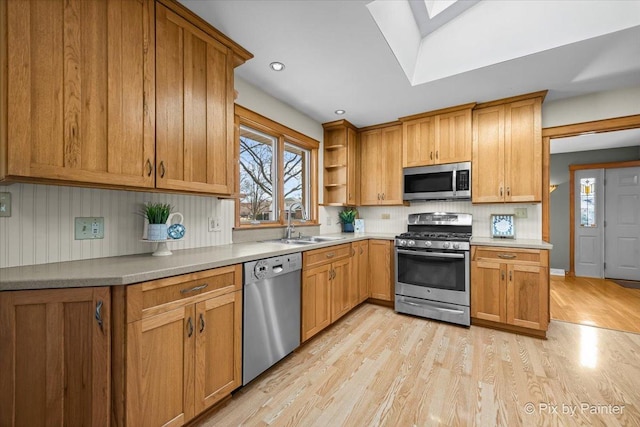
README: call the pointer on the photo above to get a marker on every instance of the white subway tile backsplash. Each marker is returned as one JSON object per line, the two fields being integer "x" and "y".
{"x": 41, "y": 228}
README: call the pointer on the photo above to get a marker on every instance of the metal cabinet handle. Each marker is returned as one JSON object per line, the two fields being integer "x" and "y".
{"x": 99, "y": 315}
{"x": 353, "y": 252}
{"x": 437, "y": 155}
{"x": 195, "y": 288}
{"x": 500, "y": 191}
{"x": 162, "y": 169}
{"x": 506, "y": 256}
{"x": 383, "y": 195}
{"x": 361, "y": 250}
{"x": 378, "y": 196}
{"x": 502, "y": 274}
{"x": 331, "y": 255}
{"x": 430, "y": 155}
{"x": 189, "y": 327}
{"x": 508, "y": 191}
{"x": 511, "y": 276}
{"x": 149, "y": 167}
{"x": 202, "y": 323}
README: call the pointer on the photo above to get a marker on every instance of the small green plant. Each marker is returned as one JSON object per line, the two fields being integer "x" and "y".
{"x": 348, "y": 216}
{"x": 156, "y": 213}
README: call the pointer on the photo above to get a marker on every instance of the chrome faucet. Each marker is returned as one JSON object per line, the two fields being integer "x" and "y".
{"x": 290, "y": 228}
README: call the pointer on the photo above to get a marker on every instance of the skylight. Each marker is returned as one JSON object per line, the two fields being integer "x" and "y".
{"x": 434, "y": 7}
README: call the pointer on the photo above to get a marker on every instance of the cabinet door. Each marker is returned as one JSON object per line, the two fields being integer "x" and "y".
{"x": 523, "y": 151}
{"x": 418, "y": 142}
{"x": 316, "y": 309}
{"x": 380, "y": 270}
{"x": 363, "y": 271}
{"x": 488, "y": 291}
{"x": 194, "y": 93}
{"x": 453, "y": 137}
{"x": 370, "y": 167}
{"x": 218, "y": 351}
{"x": 527, "y": 296}
{"x": 340, "y": 278}
{"x": 488, "y": 155}
{"x": 55, "y": 357}
{"x": 160, "y": 368}
{"x": 81, "y": 91}
{"x": 390, "y": 175}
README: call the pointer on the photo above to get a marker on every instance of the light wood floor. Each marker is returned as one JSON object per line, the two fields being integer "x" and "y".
{"x": 379, "y": 368}
{"x": 597, "y": 302}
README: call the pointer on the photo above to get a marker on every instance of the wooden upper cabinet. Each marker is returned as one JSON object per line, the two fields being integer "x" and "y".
{"x": 507, "y": 151}
{"x": 80, "y": 91}
{"x": 341, "y": 164}
{"x": 381, "y": 166}
{"x": 194, "y": 98}
{"x": 55, "y": 357}
{"x": 437, "y": 137}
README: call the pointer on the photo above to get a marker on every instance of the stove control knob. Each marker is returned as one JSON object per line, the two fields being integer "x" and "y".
{"x": 428, "y": 243}
{"x": 411, "y": 243}
{"x": 456, "y": 246}
{"x": 402, "y": 242}
{"x": 445, "y": 245}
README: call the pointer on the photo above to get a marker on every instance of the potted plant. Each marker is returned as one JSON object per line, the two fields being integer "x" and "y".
{"x": 157, "y": 214}
{"x": 348, "y": 218}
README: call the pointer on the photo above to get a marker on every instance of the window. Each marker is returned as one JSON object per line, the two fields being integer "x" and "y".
{"x": 587, "y": 202}
{"x": 276, "y": 171}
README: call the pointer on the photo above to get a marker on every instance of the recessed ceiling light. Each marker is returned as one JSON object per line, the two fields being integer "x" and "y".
{"x": 340, "y": 112}
{"x": 277, "y": 66}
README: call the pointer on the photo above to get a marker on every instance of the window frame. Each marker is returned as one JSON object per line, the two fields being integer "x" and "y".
{"x": 283, "y": 135}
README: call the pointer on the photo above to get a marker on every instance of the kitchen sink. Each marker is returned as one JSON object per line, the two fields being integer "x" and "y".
{"x": 306, "y": 240}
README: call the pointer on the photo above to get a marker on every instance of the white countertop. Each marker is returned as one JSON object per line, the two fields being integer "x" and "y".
{"x": 129, "y": 269}
{"x": 511, "y": 243}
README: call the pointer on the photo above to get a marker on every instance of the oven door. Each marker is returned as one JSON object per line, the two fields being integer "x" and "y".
{"x": 434, "y": 275}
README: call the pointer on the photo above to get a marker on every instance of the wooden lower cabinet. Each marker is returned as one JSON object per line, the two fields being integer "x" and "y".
{"x": 510, "y": 286}
{"x": 381, "y": 279}
{"x": 326, "y": 281}
{"x": 182, "y": 352}
{"x": 360, "y": 272}
{"x": 55, "y": 357}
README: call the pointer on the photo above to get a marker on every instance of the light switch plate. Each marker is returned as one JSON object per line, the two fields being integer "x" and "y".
{"x": 89, "y": 228}
{"x": 5, "y": 204}
{"x": 520, "y": 212}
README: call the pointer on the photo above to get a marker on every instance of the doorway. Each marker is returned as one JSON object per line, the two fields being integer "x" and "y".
{"x": 591, "y": 301}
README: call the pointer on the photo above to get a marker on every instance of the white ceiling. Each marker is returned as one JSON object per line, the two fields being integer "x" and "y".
{"x": 337, "y": 58}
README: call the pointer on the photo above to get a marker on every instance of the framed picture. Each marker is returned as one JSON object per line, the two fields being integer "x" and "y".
{"x": 503, "y": 226}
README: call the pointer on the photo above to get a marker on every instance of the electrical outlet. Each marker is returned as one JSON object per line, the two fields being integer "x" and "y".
{"x": 386, "y": 216}
{"x": 520, "y": 212}
{"x": 89, "y": 228}
{"x": 5, "y": 204}
{"x": 216, "y": 225}
{"x": 211, "y": 224}
{"x": 328, "y": 220}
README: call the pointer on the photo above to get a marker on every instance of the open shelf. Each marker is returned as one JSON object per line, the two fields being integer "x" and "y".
{"x": 334, "y": 185}
{"x": 335, "y": 166}
{"x": 334, "y": 147}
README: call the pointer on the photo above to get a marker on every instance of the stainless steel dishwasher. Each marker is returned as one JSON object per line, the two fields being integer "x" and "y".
{"x": 271, "y": 319}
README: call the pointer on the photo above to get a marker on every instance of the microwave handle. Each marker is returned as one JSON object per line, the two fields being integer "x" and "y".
{"x": 453, "y": 184}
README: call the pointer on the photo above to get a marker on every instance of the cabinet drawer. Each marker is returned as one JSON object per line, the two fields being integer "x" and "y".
{"x": 507, "y": 255}
{"x": 153, "y": 297}
{"x": 318, "y": 257}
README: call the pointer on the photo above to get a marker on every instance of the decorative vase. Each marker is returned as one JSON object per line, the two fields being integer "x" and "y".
{"x": 157, "y": 232}
{"x": 347, "y": 227}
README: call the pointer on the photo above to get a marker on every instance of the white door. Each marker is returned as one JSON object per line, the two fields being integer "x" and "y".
{"x": 589, "y": 221}
{"x": 622, "y": 236}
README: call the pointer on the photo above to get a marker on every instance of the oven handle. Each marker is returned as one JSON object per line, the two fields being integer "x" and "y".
{"x": 431, "y": 254}
{"x": 448, "y": 310}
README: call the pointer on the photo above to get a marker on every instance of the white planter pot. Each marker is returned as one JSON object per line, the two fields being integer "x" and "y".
{"x": 157, "y": 232}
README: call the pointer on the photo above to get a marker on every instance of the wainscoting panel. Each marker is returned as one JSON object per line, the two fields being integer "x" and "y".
{"x": 41, "y": 227}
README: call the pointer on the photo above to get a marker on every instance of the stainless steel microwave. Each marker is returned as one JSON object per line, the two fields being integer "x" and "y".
{"x": 438, "y": 182}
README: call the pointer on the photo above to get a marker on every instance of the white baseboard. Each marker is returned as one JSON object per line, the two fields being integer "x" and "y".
{"x": 557, "y": 272}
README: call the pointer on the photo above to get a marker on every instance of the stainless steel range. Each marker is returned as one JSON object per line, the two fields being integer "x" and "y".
{"x": 433, "y": 265}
